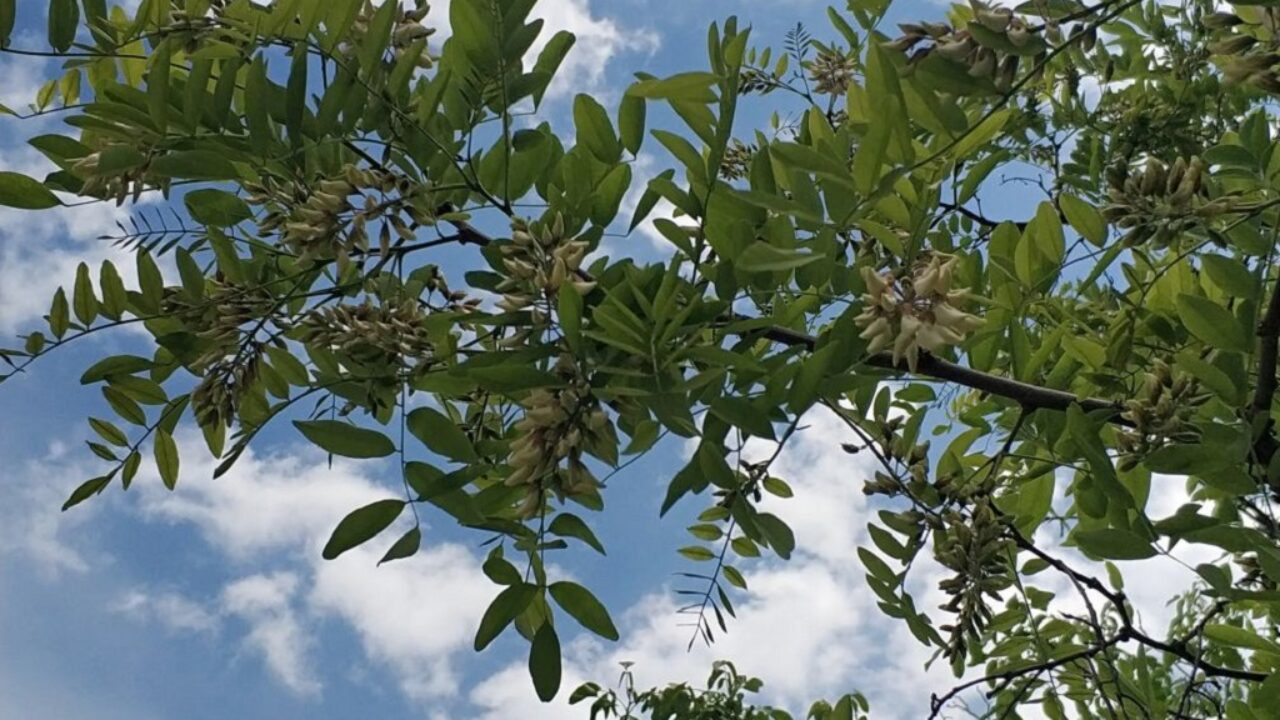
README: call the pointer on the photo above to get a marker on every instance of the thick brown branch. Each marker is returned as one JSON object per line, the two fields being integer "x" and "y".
{"x": 1032, "y": 397}
{"x": 1129, "y": 629}
{"x": 979, "y": 218}
{"x": 1268, "y": 339}
{"x": 1025, "y": 394}
{"x": 938, "y": 703}
{"x": 1268, "y": 346}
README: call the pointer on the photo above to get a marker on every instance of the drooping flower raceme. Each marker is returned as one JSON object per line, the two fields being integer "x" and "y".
{"x": 910, "y": 313}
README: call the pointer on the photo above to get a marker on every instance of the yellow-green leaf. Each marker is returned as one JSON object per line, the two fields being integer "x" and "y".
{"x": 166, "y": 451}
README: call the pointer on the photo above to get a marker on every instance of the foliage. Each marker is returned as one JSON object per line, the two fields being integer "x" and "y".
{"x": 844, "y": 257}
{"x": 725, "y": 698}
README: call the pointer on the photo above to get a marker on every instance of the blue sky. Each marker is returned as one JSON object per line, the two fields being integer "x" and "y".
{"x": 212, "y": 601}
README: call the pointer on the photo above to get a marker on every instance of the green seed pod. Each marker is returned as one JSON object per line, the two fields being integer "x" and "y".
{"x": 1221, "y": 20}
{"x": 1234, "y": 45}
{"x": 1153, "y": 177}
{"x": 1090, "y": 39}
{"x": 1176, "y": 172}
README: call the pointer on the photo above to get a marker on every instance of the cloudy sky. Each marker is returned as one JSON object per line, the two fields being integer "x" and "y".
{"x": 213, "y": 602}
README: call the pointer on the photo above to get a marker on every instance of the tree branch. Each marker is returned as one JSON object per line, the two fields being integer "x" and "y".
{"x": 979, "y": 218}
{"x": 1268, "y": 333}
{"x": 1031, "y": 397}
{"x": 1268, "y": 342}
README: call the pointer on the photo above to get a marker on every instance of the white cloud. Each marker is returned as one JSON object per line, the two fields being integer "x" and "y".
{"x": 265, "y": 504}
{"x": 276, "y": 631}
{"x": 808, "y": 627}
{"x": 413, "y": 617}
{"x": 599, "y": 40}
{"x": 646, "y": 166}
{"x": 39, "y": 250}
{"x": 170, "y": 609}
{"x": 31, "y": 523}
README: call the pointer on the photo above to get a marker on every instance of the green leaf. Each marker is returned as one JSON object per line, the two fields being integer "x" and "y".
{"x": 981, "y": 134}
{"x": 744, "y": 414}
{"x": 505, "y": 607}
{"x": 118, "y": 159}
{"x": 734, "y": 576}
{"x": 166, "y": 451}
{"x": 257, "y": 117}
{"x": 1114, "y": 544}
{"x": 109, "y": 432}
{"x": 195, "y": 165}
{"x": 86, "y": 490}
{"x": 115, "y": 299}
{"x": 631, "y": 119}
{"x": 115, "y": 365}
{"x": 1240, "y": 637}
{"x": 706, "y": 532}
{"x": 760, "y": 256}
{"x": 441, "y": 435}
{"x": 124, "y": 406}
{"x": 500, "y": 571}
{"x": 64, "y": 17}
{"x": 1084, "y": 218}
{"x": 548, "y": 62}
{"x": 570, "y": 525}
{"x": 744, "y": 547}
{"x": 1212, "y": 323}
{"x": 59, "y": 314}
{"x": 158, "y": 84}
{"x": 691, "y": 86}
{"x": 1233, "y": 156}
{"x": 140, "y": 389}
{"x": 569, "y": 312}
{"x": 1191, "y": 459}
{"x": 192, "y": 276}
{"x": 296, "y": 95}
{"x": 150, "y": 281}
{"x": 219, "y": 208}
{"x": 1265, "y": 697}
{"x": 8, "y": 16}
{"x": 877, "y": 568}
{"x": 584, "y": 607}
{"x": 778, "y": 533}
{"x": 406, "y": 546}
{"x": 1230, "y": 275}
{"x": 196, "y": 91}
{"x": 594, "y": 130}
{"x": 1084, "y": 432}
{"x": 19, "y": 191}
{"x": 362, "y": 525}
{"x": 697, "y": 553}
{"x": 584, "y": 691}
{"x": 83, "y": 300}
{"x": 777, "y": 487}
{"x": 344, "y": 439}
{"x": 544, "y": 662}
{"x": 686, "y": 153}
{"x": 377, "y": 37}
{"x": 648, "y": 200}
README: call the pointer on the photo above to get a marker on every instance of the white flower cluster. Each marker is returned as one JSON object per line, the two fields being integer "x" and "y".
{"x": 538, "y": 263}
{"x": 408, "y": 29}
{"x": 558, "y": 426}
{"x": 908, "y": 314}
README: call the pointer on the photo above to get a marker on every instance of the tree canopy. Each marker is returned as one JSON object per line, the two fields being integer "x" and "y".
{"x": 1026, "y": 384}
